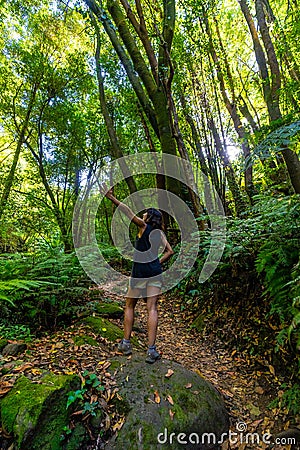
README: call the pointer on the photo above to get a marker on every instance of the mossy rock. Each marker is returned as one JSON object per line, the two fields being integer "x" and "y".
{"x": 107, "y": 329}
{"x": 198, "y": 407}
{"x": 3, "y": 343}
{"x": 109, "y": 309}
{"x": 104, "y": 327}
{"x": 14, "y": 349}
{"x": 85, "y": 340}
{"x": 35, "y": 413}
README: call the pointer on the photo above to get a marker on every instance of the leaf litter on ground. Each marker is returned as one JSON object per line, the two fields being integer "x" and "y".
{"x": 247, "y": 384}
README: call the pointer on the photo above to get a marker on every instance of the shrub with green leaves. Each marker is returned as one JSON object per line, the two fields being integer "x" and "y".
{"x": 13, "y": 332}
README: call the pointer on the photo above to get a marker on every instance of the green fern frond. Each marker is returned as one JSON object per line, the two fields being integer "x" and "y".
{"x": 6, "y": 299}
{"x": 278, "y": 140}
{"x": 13, "y": 285}
{"x": 19, "y": 284}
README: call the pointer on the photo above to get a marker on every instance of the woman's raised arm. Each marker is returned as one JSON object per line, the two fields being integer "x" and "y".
{"x": 124, "y": 208}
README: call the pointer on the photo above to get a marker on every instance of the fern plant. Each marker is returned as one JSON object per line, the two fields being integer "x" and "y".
{"x": 10, "y": 286}
{"x": 275, "y": 261}
{"x": 272, "y": 141}
{"x": 257, "y": 282}
{"x": 278, "y": 263}
{"x": 44, "y": 289}
{"x": 293, "y": 332}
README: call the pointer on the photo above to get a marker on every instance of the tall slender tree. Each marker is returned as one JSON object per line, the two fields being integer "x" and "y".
{"x": 271, "y": 79}
{"x": 154, "y": 69}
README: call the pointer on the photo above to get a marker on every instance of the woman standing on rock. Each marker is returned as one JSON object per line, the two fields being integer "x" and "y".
{"x": 146, "y": 273}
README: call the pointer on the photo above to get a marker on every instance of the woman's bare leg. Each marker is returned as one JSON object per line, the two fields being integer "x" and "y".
{"x": 131, "y": 301}
{"x": 152, "y": 300}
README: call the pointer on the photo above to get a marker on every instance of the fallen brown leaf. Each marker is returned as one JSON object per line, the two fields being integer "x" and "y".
{"x": 59, "y": 345}
{"x": 271, "y": 369}
{"x": 94, "y": 398}
{"x": 156, "y": 397}
{"x": 106, "y": 365}
{"x": 171, "y": 414}
{"x": 256, "y": 423}
{"x": 169, "y": 373}
{"x": 117, "y": 426}
{"x": 5, "y": 390}
{"x": 77, "y": 413}
{"x": 259, "y": 390}
{"x": 23, "y": 367}
{"x": 170, "y": 400}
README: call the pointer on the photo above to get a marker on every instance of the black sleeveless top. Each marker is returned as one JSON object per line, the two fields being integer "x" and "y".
{"x": 147, "y": 265}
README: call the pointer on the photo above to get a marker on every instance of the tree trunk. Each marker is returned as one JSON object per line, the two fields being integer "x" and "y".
{"x": 188, "y": 173}
{"x": 273, "y": 95}
{"x": 240, "y": 204}
{"x": 60, "y": 217}
{"x": 243, "y": 107}
{"x": 291, "y": 159}
{"x": 271, "y": 90}
{"x": 148, "y": 87}
{"x": 159, "y": 176}
{"x": 259, "y": 52}
{"x": 21, "y": 139}
{"x": 126, "y": 62}
{"x": 116, "y": 148}
{"x": 232, "y": 109}
{"x": 195, "y": 136}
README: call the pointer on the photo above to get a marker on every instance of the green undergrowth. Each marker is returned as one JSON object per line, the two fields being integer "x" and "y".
{"x": 252, "y": 300}
{"x": 46, "y": 290}
{"x": 50, "y": 294}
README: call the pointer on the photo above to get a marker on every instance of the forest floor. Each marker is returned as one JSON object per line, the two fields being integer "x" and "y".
{"x": 247, "y": 386}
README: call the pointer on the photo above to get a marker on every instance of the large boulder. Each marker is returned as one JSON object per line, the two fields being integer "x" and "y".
{"x": 180, "y": 410}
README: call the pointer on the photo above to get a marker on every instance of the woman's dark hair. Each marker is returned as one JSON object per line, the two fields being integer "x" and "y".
{"x": 154, "y": 218}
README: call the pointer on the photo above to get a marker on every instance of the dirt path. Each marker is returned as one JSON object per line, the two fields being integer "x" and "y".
{"x": 247, "y": 387}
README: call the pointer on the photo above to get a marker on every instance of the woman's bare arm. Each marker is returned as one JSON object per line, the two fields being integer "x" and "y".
{"x": 124, "y": 208}
{"x": 168, "y": 251}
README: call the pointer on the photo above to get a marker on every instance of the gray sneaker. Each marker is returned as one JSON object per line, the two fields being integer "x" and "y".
{"x": 152, "y": 356}
{"x": 125, "y": 348}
